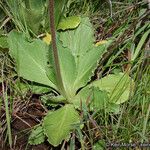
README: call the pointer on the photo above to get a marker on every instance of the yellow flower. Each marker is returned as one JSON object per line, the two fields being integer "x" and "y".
{"x": 101, "y": 42}
{"x": 47, "y": 39}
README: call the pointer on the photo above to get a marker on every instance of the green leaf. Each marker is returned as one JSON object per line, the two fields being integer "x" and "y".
{"x": 106, "y": 93}
{"x": 68, "y": 69}
{"x": 59, "y": 124}
{"x": 78, "y": 58}
{"x": 95, "y": 99}
{"x": 31, "y": 59}
{"x": 118, "y": 87}
{"x": 85, "y": 53}
{"x": 37, "y": 136}
{"x": 76, "y": 42}
{"x": 100, "y": 99}
{"x": 69, "y": 23}
{"x": 87, "y": 65}
{"x": 92, "y": 97}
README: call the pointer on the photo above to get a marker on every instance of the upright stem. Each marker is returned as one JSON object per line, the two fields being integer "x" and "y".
{"x": 54, "y": 48}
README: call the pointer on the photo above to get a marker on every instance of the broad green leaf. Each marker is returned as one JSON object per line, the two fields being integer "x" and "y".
{"x": 95, "y": 99}
{"x": 76, "y": 42}
{"x": 85, "y": 53}
{"x": 92, "y": 97}
{"x": 87, "y": 65}
{"x": 118, "y": 87}
{"x": 68, "y": 69}
{"x": 58, "y": 125}
{"x": 106, "y": 93}
{"x": 31, "y": 59}
{"x": 84, "y": 97}
{"x": 37, "y": 136}
{"x": 100, "y": 99}
{"x": 69, "y": 23}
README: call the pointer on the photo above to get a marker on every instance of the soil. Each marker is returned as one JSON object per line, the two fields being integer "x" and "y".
{"x": 23, "y": 119}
